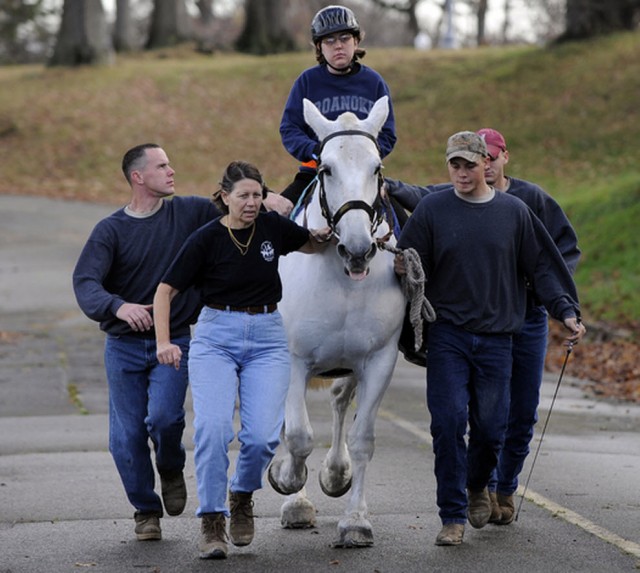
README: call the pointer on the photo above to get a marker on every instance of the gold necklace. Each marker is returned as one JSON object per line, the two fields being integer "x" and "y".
{"x": 242, "y": 247}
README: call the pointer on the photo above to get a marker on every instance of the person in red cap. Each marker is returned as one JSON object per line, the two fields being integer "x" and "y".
{"x": 480, "y": 248}
{"x": 530, "y": 344}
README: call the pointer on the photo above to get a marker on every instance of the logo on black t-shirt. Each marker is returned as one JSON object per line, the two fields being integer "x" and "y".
{"x": 267, "y": 251}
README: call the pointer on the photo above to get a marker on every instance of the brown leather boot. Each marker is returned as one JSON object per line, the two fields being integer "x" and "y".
{"x": 479, "y": 508}
{"x": 496, "y": 512}
{"x": 507, "y": 509}
{"x": 213, "y": 541}
{"x": 241, "y": 527}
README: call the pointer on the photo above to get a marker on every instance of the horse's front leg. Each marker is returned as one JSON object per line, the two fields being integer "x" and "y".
{"x": 288, "y": 474}
{"x": 335, "y": 474}
{"x": 354, "y": 529}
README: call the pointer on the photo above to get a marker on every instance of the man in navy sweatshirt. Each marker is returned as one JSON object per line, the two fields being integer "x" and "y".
{"x": 530, "y": 344}
{"x": 114, "y": 281}
{"x": 479, "y": 249}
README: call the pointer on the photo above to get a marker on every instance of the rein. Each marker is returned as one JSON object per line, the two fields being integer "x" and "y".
{"x": 373, "y": 211}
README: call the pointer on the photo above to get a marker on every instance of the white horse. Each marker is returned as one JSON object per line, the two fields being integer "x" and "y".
{"x": 343, "y": 311}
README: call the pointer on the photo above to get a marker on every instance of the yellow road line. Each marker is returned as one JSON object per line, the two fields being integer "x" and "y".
{"x": 557, "y": 510}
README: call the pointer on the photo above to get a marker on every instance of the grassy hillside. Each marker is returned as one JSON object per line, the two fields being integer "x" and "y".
{"x": 570, "y": 115}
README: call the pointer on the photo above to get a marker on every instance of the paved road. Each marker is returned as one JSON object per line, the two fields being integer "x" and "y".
{"x": 62, "y": 507}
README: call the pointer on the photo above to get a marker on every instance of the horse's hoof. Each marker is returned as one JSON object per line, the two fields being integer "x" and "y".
{"x": 354, "y": 538}
{"x": 346, "y": 486}
{"x": 283, "y": 490}
{"x": 298, "y": 513}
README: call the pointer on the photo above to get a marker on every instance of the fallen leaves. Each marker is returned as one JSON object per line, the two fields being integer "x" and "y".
{"x": 609, "y": 364}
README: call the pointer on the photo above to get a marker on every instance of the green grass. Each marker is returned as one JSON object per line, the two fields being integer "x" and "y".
{"x": 570, "y": 115}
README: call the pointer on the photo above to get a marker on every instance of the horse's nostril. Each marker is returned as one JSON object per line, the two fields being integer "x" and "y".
{"x": 342, "y": 250}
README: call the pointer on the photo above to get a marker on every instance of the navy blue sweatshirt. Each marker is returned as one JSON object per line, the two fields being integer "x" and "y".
{"x": 333, "y": 95}
{"x": 125, "y": 257}
{"x": 541, "y": 203}
{"x": 478, "y": 256}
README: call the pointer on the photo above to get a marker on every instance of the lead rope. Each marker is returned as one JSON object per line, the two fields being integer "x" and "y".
{"x": 420, "y": 308}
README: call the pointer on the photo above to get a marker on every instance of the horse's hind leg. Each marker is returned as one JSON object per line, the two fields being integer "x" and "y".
{"x": 335, "y": 474}
{"x": 297, "y": 512}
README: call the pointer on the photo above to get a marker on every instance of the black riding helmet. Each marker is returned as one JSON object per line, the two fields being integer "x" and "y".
{"x": 333, "y": 19}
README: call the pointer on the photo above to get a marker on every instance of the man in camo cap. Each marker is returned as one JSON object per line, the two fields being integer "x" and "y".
{"x": 478, "y": 248}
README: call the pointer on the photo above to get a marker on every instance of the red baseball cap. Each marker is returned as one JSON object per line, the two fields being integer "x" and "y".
{"x": 494, "y": 140}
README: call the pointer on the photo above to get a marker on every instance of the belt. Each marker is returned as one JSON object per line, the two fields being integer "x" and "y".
{"x": 260, "y": 309}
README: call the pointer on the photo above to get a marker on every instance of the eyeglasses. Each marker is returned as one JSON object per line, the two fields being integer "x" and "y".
{"x": 333, "y": 40}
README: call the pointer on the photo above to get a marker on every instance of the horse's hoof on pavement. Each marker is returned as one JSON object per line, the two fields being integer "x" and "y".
{"x": 354, "y": 538}
{"x": 339, "y": 492}
{"x": 298, "y": 513}
{"x": 276, "y": 486}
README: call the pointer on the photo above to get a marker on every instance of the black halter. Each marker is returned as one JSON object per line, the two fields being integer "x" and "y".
{"x": 374, "y": 211}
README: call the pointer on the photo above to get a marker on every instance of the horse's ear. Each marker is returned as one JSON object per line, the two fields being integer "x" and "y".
{"x": 377, "y": 115}
{"x": 315, "y": 120}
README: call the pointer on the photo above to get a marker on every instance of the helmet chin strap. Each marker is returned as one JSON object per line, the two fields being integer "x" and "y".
{"x": 342, "y": 71}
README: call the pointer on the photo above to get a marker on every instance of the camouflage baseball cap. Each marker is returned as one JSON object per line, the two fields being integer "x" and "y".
{"x": 468, "y": 145}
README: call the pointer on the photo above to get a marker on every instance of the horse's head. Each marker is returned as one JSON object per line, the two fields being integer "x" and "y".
{"x": 350, "y": 178}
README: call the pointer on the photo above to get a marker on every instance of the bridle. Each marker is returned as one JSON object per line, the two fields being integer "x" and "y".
{"x": 374, "y": 211}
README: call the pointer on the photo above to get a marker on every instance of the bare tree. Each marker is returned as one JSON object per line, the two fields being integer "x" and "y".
{"x": 481, "y": 14}
{"x": 588, "y": 18}
{"x": 123, "y": 28}
{"x": 25, "y": 32}
{"x": 265, "y": 30}
{"x": 406, "y": 7}
{"x": 169, "y": 24}
{"x": 83, "y": 37}
{"x": 204, "y": 33}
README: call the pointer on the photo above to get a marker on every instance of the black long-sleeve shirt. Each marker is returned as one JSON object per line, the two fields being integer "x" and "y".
{"x": 478, "y": 256}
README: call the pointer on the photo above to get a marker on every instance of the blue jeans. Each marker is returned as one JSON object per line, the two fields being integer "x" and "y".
{"x": 467, "y": 384}
{"x": 529, "y": 349}
{"x": 146, "y": 401}
{"x": 236, "y": 355}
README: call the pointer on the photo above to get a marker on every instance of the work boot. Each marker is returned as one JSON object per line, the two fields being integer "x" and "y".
{"x": 174, "y": 493}
{"x": 241, "y": 526}
{"x": 507, "y": 509}
{"x": 213, "y": 541}
{"x": 450, "y": 534}
{"x": 147, "y": 526}
{"x": 478, "y": 508}
{"x": 496, "y": 512}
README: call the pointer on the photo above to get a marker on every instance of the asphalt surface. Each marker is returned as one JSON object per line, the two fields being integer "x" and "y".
{"x": 62, "y": 507}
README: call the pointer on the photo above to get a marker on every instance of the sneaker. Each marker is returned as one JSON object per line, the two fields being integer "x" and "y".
{"x": 174, "y": 493}
{"x": 450, "y": 534}
{"x": 213, "y": 541}
{"x": 148, "y": 527}
{"x": 479, "y": 508}
{"x": 241, "y": 525}
{"x": 496, "y": 512}
{"x": 507, "y": 509}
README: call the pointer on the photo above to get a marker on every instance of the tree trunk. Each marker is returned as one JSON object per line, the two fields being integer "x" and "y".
{"x": 589, "y": 18}
{"x": 169, "y": 24}
{"x": 123, "y": 28}
{"x": 204, "y": 35}
{"x": 83, "y": 37}
{"x": 265, "y": 29}
{"x": 482, "y": 17}
{"x": 507, "y": 21}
